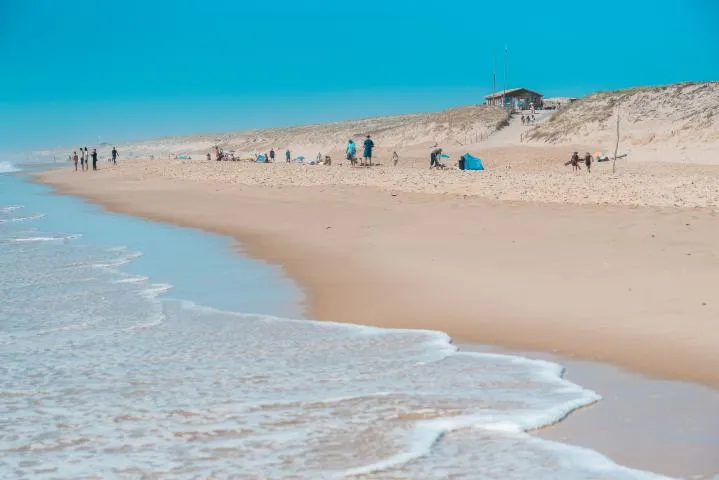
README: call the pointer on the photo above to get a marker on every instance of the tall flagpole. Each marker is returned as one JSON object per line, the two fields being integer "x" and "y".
{"x": 494, "y": 73}
{"x": 506, "y": 54}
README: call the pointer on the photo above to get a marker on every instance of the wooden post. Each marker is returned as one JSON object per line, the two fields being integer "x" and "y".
{"x": 616, "y": 147}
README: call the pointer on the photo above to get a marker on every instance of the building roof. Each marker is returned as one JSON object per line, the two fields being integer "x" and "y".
{"x": 510, "y": 92}
{"x": 560, "y": 99}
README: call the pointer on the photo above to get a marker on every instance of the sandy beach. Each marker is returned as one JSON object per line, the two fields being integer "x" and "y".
{"x": 629, "y": 282}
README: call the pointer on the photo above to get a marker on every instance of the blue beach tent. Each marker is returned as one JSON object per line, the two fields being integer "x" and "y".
{"x": 472, "y": 163}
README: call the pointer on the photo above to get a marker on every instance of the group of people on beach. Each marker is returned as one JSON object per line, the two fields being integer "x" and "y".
{"x": 528, "y": 119}
{"x": 351, "y": 152}
{"x": 83, "y": 159}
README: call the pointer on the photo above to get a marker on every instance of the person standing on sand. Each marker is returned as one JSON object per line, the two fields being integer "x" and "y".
{"x": 395, "y": 158}
{"x": 351, "y": 152}
{"x": 288, "y": 156}
{"x": 367, "y": 154}
{"x": 574, "y": 162}
{"x": 82, "y": 160}
{"x": 272, "y": 155}
{"x": 114, "y": 156}
{"x": 588, "y": 162}
{"x": 87, "y": 160}
{"x": 94, "y": 159}
{"x": 75, "y": 159}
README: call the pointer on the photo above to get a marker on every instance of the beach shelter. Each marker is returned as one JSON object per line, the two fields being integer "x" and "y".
{"x": 472, "y": 163}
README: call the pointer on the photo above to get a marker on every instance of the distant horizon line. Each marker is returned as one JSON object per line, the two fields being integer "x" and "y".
{"x": 47, "y": 151}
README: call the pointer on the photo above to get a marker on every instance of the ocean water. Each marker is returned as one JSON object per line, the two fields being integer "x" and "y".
{"x": 132, "y": 349}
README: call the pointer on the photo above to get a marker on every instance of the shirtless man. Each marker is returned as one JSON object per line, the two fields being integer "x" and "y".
{"x": 574, "y": 162}
{"x": 588, "y": 162}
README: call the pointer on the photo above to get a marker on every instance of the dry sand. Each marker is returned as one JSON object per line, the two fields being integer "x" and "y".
{"x": 632, "y": 281}
{"x": 671, "y": 123}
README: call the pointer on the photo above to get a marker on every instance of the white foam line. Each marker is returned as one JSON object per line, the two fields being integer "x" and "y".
{"x": 11, "y": 208}
{"x": 38, "y": 239}
{"x": 25, "y": 219}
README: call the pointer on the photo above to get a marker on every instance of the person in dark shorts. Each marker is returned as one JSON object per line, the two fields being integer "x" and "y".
{"x": 288, "y": 156}
{"x": 272, "y": 155}
{"x": 367, "y": 154}
{"x": 114, "y": 156}
{"x": 75, "y": 159}
{"x": 82, "y": 159}
{"x": 87, "y": 160}
{"x": 588, "y": 162}
{"x": 94, "y": 159}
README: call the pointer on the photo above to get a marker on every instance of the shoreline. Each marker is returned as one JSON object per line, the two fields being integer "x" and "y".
{"x": 584, "y": 373}
{"x": 341, "y": 245}
{"x": 636, "y": 423}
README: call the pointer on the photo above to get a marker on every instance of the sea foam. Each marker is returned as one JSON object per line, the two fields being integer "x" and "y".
{"x": 103, "y": 374}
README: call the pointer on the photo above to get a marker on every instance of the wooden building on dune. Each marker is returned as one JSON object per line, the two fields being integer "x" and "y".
{"x": 515, "y": 98}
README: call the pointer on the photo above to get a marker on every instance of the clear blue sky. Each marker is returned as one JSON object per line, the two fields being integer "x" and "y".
{"x": 73, "y": 70}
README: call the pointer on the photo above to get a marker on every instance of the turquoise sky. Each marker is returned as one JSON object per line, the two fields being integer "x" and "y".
{"x": 73, "y": 70}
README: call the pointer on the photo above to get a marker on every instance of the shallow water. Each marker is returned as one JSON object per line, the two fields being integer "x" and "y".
{"x": 124, "y": 353}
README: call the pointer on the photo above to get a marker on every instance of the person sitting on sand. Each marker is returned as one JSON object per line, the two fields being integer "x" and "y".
{"x": 588, "y": 162}
{"x": 351, "y": 152}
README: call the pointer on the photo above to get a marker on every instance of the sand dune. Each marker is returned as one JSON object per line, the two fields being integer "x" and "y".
{"x": 454, "y": 126}
{"x": 678, "y": 123}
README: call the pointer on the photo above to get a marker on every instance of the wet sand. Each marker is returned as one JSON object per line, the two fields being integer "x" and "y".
{"x": 628, "y": 285}
{"x": 632, "y": 286}
{"x": 663, "y": 426}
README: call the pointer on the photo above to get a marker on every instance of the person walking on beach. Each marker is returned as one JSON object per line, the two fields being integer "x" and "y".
{"x": 588, "y": 162}
{"x": 288, "y": 156}
{"x": 395, "y": 158}
{"x": 272, "y": 155}
{"x": 114, "y": 156}
{"x": 87, "y": 160}
{"x": 75, "y": 159}
{"x": 574, "y": 162}
{"x": 351, "y": 152}
{"x": 367, "y": 154}
{"x": 94, "y": 159}
{"x": 82, "y": 159}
